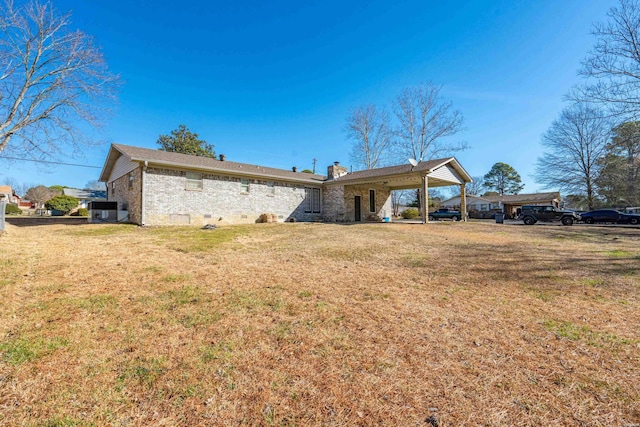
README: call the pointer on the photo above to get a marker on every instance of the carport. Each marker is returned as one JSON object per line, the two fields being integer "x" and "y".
{"x": 423, "y": 175}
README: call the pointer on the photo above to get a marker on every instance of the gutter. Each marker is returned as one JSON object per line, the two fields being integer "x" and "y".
{"x": 251, "y": 174}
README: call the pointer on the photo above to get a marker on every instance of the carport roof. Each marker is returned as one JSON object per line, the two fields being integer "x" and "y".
{"x": 441, "y": 172}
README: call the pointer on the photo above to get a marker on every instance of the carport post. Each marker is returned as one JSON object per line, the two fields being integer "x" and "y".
{"x": 463, "y": 201}
{"x": 425, "y": 199}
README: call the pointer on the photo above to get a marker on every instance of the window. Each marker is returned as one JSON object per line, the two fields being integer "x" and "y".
{"x": 131, "y": 179}
{"x": 312, "y": 200}
{"x": 316, "y": 200}
{"x": 194, "y": 181}
{"x": 372, "y": 201}
{"x": 244, "y": 185}
{"x": 271, "y": 188}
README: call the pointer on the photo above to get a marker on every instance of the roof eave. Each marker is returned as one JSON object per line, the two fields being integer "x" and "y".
{"x": 228, "y": 172}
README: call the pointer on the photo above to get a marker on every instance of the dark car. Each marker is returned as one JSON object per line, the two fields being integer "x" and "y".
{"x": 534, "y": 213}
{"x": 610, "y": 215}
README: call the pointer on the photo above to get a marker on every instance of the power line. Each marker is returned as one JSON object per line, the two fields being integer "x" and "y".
{"x": 51, "y": 162}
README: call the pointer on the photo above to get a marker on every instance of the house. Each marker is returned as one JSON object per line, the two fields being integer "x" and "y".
{"x": 85, "y": 196}
{"x": 486, "y": 206}
{"x": 6, "y": 194}
{"x": 159, "y": 188}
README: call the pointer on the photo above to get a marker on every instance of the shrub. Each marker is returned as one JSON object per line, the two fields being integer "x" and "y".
{"x": 410, "y": 213}
{"x": 12, "y": 209}
{"x": 81, "y": 212}
{"x": 63, "y": 204}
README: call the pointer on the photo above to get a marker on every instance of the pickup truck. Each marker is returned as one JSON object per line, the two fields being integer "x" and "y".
{"x": 445, "y": 213}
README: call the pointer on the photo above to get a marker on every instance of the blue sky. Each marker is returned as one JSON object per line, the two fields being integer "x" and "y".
{"x": 271, "y": 83}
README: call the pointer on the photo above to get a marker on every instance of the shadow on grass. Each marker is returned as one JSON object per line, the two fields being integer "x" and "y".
{"x": 33, "y": 221}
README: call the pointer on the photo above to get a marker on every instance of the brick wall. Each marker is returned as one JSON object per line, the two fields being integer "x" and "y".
{"x": 220, "y": 201}
{"x": 128, "y": 194}
{"x": 340, "y": 202}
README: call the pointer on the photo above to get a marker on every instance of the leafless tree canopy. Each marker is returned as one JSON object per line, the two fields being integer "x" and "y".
{"x": 424, "y": 118}
{"x": 39, "y": 195}
{"x": 52, "y": 80}
{"x": 612, "y": 68}
{"x": 574, "y": 144}
{"x": 369, "y": 128}
{"x": 476, "y": 187}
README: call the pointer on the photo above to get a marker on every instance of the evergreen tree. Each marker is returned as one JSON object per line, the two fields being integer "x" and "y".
{"x": 504, "y": 179}
{"x": 183, "y": 141}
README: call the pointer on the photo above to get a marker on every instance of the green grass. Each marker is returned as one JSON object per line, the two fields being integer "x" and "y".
{"x": 64, "y": 422}
{"x": 620, "y": 254}
{"x": 22, "y": 350}
{"x": 573, "y": 332}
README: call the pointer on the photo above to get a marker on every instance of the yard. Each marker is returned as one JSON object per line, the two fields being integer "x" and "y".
{"x": 449, "y": 324}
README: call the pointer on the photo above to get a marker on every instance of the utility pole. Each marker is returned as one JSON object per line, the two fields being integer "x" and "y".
{"x": 314, "y": 165}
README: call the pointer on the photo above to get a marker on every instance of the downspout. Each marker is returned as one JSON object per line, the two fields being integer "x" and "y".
{"x": 142, "y": 210}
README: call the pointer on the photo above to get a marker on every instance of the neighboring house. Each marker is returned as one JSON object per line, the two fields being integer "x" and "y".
{"x": 158, "y": 187}
{"x": 6, "y": 193}
{"x": 85, "y": 196}
{"x": 510, "y": 204}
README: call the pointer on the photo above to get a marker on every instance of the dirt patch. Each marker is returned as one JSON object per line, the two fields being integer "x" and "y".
{"x": 320, "y": 324}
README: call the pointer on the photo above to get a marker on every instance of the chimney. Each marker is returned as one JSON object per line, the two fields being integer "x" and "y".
{"x": 336, "y": 171}
{"x": 295, "y": 169}
{"x": 223, "y": 157}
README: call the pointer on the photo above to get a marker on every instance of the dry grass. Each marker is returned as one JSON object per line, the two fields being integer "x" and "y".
{"x": 310, "y": 324}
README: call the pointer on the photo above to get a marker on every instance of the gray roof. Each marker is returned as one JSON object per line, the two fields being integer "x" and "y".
{"x": 392, "y": 170}
{"x": 207, "y": 164}
{"x": 525, "y": 198}
{"x": 513, "y": 198}
{"x": 165, "y": 158}
{"x": 85, "y": 194}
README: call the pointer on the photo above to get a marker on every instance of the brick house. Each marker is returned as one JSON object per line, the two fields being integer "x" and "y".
{"x": 510, "y": 204}
{"x": 161, "y": 188}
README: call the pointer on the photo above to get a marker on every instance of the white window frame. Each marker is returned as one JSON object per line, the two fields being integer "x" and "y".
{"x": 194, "y": 181}
{"x": 244, "y": 186}
{"x": 271, "y": 188}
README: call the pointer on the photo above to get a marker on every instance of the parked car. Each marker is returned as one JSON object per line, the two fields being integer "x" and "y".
{"x": 610, "y": 215}
{"x": 534, "y": 213}
{"x": 445, "y": 213}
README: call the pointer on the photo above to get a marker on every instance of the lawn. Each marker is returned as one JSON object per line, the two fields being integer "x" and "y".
{"x": 449, "y": 324}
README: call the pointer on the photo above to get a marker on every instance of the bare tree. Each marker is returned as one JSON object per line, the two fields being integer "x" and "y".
{"x": 476, "y": 187}
{"x": 370, "y": 130}
{"x": 96, "y": 185}
{"x": 613, "y": 65}
{"x": 52, "y": 78}
{"x": 398, "y": 198}
{"x": 18, "y": 187}
{"x": 39, "y": 195}
{"x": 424, "y": 118}
{"x": 574, "y": 144}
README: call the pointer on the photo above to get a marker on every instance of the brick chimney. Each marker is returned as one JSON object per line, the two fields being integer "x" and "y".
{"x": 336, "y": 171}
